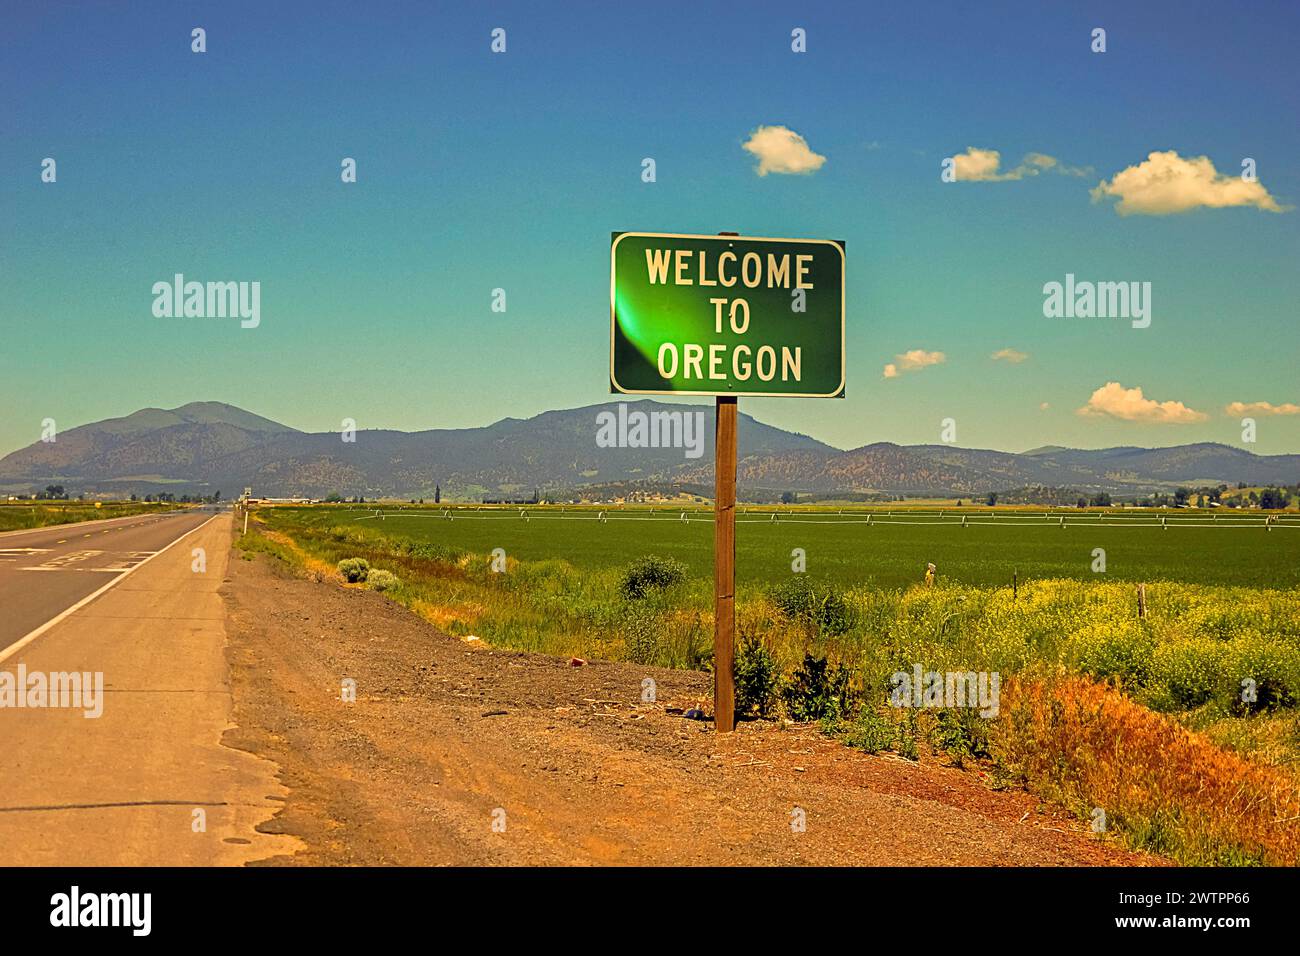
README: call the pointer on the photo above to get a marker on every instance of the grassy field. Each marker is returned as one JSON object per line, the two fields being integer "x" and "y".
{"x": 16, "y": 515}
{"x": 890, "y": 552}
{"x": 1143, "y": 717}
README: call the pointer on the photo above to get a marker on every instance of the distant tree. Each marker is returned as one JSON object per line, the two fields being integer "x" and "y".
{"x": 54, "y": 491}
{"x": 788, "y": 497}
{"x": 1101, "y": 500}
{"x": 216, "y": 495}
{"x": 1181, "y": 496}
{"x": 992, "y": 499}
{"x": 133, "y": 497}
{"x": 1082, "y": 502}
{"x": 437, "y": 494}
{"x": 1273, "y": 499}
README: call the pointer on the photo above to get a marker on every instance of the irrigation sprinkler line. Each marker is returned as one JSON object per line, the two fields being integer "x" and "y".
{"x": 869, "y": 519}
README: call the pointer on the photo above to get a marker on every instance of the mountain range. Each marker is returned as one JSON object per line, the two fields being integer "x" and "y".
{"x": 208, "y": 446}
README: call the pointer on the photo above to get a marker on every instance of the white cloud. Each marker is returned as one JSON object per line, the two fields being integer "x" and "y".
{"x": 1113, "y": 400}
{"x": 1166, "y": 183}
{"x": 913, "y": 361}
{"x": 1014, "y": 356}
{"x": 1261, "y": 408}
{"x": 985, "y": 166}
{"x": 782, "y": 150}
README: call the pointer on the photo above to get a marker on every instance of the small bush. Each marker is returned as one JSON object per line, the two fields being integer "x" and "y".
{"x": 354, "y": 569}
{"x": 824, "y": 608}
{"x": 818, "y": 690}
{"x": 425, "y": 551}
{"x": 381, "y": 580}
{"x": 641, "y": 636}
{"x": 962, "y": 734}
{"x": 758, "y": 680}
{"x": 872, "y": 732}
{"x": 1190, "y": 671}
{"x": 651, "y": 573}
{"x": 1272, "y": 667}
{"x": 1120, "y": 651}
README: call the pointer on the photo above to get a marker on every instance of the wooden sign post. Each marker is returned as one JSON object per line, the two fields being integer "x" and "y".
{"x": 724, "y": 567}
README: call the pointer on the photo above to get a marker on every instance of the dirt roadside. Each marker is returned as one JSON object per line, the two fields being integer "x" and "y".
{"x": 446, "y": 738}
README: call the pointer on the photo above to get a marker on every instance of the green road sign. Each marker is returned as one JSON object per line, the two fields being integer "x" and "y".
{"x": 726, "y": 315}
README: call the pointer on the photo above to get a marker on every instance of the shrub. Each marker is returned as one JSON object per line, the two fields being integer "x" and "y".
{"x": 1120, "y": 650}
{"x": 758, "y": 680}
{"x": 1273, "y": 668}
{"x": 823, "y": 608}
{"x": 817, "y": 690}
{"x": 641, "y": 636}
{"x": 1189, "y": 671}
{"x": 651, "y": 573}
{"x": 433, "y": 552}
{"x": 354, "y": 569}
{"x": 962, "y": 733}
{"x": 381, "y": 580}
{"x": 872, "y": 732}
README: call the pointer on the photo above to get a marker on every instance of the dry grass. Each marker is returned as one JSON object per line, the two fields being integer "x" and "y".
{"x": 1162, "y": 787}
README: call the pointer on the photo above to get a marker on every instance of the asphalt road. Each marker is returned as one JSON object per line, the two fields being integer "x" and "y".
{"x": 45, "y": 571}
{"x": 142, "y": 778}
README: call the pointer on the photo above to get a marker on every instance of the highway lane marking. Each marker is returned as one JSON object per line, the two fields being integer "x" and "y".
{"x": 30, "y": 636}
{"x": 63, "y": 561}
{"x": 130, "y": 556}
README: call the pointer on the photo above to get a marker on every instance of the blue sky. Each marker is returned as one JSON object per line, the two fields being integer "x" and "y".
{"x": 479, "y": 171}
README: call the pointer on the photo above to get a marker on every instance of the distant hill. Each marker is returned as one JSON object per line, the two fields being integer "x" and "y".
{"x": 207, "y": 446}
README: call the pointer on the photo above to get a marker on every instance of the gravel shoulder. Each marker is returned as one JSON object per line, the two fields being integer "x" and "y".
{"x": 447, "y": 741}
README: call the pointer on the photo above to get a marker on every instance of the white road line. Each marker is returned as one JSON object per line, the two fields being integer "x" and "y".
{"x": 23, "y": 641}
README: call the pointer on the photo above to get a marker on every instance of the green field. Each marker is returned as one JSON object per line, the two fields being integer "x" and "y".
{"x": 891, "y": 551}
